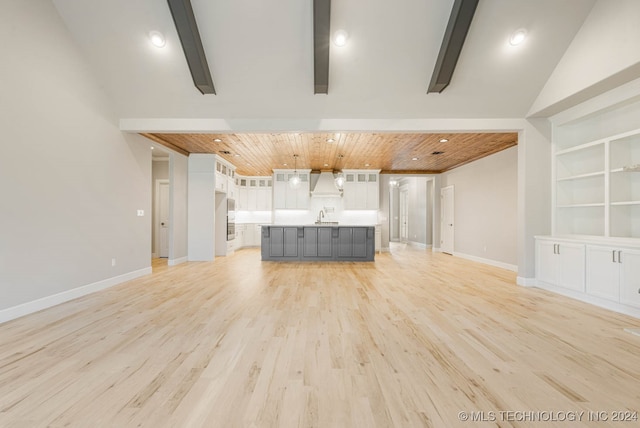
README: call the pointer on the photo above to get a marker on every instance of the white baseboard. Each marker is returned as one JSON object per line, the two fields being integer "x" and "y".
{"x": 587, "y": 298}
{"x": 526, "y": 282}
{"x": 419, "y": 245}
{"x": 154, "y": 255}
{"x": 53, "y": 300}
{"x": 490, "y": 262}
{"x": 173, "y": 262}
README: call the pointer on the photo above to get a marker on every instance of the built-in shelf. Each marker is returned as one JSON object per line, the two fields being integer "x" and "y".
{"x": 579, "y": 176}
{"x": 613, "y": 204}
{"x": 581, "y": 205}
{"x": 594, "y": 194}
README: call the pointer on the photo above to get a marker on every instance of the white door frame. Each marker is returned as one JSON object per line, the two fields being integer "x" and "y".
{"x": 447, "y": 231}
{"x": 156, "y": 208}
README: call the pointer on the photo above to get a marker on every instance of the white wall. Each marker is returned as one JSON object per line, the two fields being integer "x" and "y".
{"x": 201, "y": 207}
{"x": 486, "y": 207}
{"x": 178, "y": 170}
{"x": 71, "y": 182}
{"x": 534, "y": 193}
{"x": 603, "y": 55}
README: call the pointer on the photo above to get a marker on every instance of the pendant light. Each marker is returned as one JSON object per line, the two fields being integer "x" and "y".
{"x": 339, "y": 180}
{"x": 294, "y": 180}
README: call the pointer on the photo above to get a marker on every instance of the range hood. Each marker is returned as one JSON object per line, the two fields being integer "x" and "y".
{"x": 326, "y": 186}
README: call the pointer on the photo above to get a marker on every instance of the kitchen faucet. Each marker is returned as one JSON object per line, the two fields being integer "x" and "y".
{"x": 320, "y": 216}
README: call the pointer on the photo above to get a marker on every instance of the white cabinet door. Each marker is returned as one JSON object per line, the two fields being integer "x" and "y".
{"x": 373, "y": 190}
{"x": 302, "y": 193}
{"x": 349, "y": 191}
{"x": 231, "y": 188}
{"x": 603, "y": 272}
{"x": 291, "y": 195}
{"x": 561, "y": 263}
{"x": 279, "y": 190}
{"x": 242, "y": 199}
{"x": 360, "y": 200}
{"x": 251, "y": 199}
{"x": 268, "y": 198}
{"x": 221, "y": 182}
{"x": 572, "y": 266}
{"x": 249, "y": 235}
{"x": 630, "y": 277}
{"x": 546, "y": 261}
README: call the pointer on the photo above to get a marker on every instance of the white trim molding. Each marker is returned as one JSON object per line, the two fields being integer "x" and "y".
{"x": 173, "y": 262}
{"x": 526, "y": 282}
{"x": 65, "y": 296}
{"x": 588, "y": 298}
{"x": 513, "y": 268}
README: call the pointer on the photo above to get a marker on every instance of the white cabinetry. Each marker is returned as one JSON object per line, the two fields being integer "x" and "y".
{"x": 254, "y": 193}
{"x": 240, "y": 233}
{"x": 225, "y": 177}
{"x": 613, "y": 273}
{"x": 560, "y": 263}
{"x": 595, "y": 270}
{"x": 285, "y": 197}
{"x": 361, "y": 189}
{"x": 596, "y": 205}
{"x": 250, "y": 234}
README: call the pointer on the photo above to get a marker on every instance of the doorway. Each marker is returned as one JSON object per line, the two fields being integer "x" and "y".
{"x": 162, "y": 218}
{"x": 404, "y": 214}
{"x": 446, "y": 219}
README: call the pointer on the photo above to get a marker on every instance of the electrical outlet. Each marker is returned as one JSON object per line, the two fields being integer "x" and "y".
{"x": 140, "y": 213}
{"x": 485, "y": 248}
{"x": 113, "y": 262}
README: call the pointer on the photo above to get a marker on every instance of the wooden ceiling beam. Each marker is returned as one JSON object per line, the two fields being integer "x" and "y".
{"x": 321, "y": 44}
{"x": 452, "y": 42}
{"x": 187, "y": 28}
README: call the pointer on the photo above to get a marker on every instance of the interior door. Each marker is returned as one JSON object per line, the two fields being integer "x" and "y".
{"x": 163, "y": 218}
{"x": 446, "y": 219}
{"x": 404, "y": 215}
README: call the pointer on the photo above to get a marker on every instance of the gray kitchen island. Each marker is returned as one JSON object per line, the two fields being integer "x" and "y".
{"x": 318, "y": 242}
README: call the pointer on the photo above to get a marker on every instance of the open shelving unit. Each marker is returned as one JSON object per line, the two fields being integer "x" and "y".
{"x": 597, "y": 189}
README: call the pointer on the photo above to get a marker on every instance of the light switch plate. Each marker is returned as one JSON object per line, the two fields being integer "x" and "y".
{"x": 140, "y": 213}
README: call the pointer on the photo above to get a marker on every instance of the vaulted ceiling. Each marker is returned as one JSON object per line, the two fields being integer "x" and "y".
{"x": 260, "y": 54}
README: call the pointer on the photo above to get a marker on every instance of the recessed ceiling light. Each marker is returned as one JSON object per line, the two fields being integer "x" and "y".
{"x": 330, "y": 140}
{"x": 284, "y": 164}
{"x": 340, "y": 38}
{"x": 157, "y": 39}
{"x": 366, "y": 164}
{"x": 152, "y": 147}
{"x": 443, "y": 140}
{"x": 217, "y": 140}
{"x": 518, "y": 37}
{"x": 414, "y": 159}
{"x": 326, "y": 164}
{"x": 237, "y": 155}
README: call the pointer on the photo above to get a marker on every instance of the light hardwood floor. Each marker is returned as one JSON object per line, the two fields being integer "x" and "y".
{"x": 408, "y": 341}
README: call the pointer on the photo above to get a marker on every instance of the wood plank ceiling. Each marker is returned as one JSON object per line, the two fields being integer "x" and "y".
{"x": 395, "y": 153}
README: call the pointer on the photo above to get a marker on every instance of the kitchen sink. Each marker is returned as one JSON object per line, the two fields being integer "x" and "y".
{"x": 326, "y": 222}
